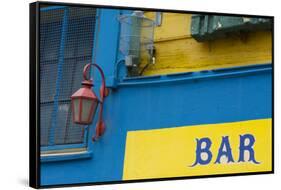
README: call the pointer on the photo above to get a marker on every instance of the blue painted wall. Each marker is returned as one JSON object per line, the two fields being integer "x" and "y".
{"x": 159, "y": 102}
{"x": 158, "y": 105}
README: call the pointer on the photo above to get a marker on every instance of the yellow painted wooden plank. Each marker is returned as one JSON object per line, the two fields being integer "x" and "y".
{"x": 171, "y": 152}
{"x": 173, "y": 25}
{"x": 177, "y": 51}
{"x": 186, "y": 54}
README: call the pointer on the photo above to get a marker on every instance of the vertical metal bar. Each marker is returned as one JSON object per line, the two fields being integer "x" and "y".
{"x": 96, "y": 27}
{"x": 59, "y": 77}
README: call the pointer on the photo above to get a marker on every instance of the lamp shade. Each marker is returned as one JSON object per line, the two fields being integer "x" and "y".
{"x": 84, "y": 103}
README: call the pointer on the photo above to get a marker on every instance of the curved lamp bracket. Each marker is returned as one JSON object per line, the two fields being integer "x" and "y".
{"x": 100, "y": 127}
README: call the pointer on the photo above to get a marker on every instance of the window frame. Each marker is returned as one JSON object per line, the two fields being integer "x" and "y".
{"x": 66, "y": 151}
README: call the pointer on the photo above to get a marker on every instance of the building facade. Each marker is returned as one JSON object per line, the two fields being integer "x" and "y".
{"x": 203, "y": 107}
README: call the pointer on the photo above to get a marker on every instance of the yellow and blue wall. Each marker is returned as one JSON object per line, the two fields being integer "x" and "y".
{"x": 178, "y": 51}
{"x": 194, "y": 91}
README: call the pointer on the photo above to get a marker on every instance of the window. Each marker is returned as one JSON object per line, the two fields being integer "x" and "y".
{"x": 66, "y": 43}
{"x": 209, "y": 27}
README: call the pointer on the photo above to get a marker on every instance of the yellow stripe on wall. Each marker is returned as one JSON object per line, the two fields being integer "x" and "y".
{"x": 170, "y": 152}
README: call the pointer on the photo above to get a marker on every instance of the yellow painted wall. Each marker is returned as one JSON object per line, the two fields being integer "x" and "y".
{"x": 177, "y": 51}
{"x": 171, "y": 152}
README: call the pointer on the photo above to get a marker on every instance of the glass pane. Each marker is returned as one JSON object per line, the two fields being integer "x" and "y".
{"x": 48, "y": 77}
{"x": 76, "y": 109}
{"x": 45, "y": 122}
{"x": 80, "y": 32}
{"x": 66, "y": 81}
{"x": 89, "y": 108}
{"x": 62, "y": 116}
{"x": 75, "y": 133}
{"x": 50, "y": 34}
{"x": 66, "y": 131}
{"x": 77, "y": 75}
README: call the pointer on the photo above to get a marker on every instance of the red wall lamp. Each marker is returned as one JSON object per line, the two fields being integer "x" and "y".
{"x": 84, "y": 102}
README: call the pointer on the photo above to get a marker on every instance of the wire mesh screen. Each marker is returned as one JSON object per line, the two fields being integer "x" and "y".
{"x": 66, "y": 43}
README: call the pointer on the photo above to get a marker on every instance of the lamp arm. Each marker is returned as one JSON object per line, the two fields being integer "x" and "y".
{"x": 103, "y": 93}
{"x": 103, "y": 88}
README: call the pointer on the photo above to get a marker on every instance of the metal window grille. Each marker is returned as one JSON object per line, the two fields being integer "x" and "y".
{"x": 66, "y": 44}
